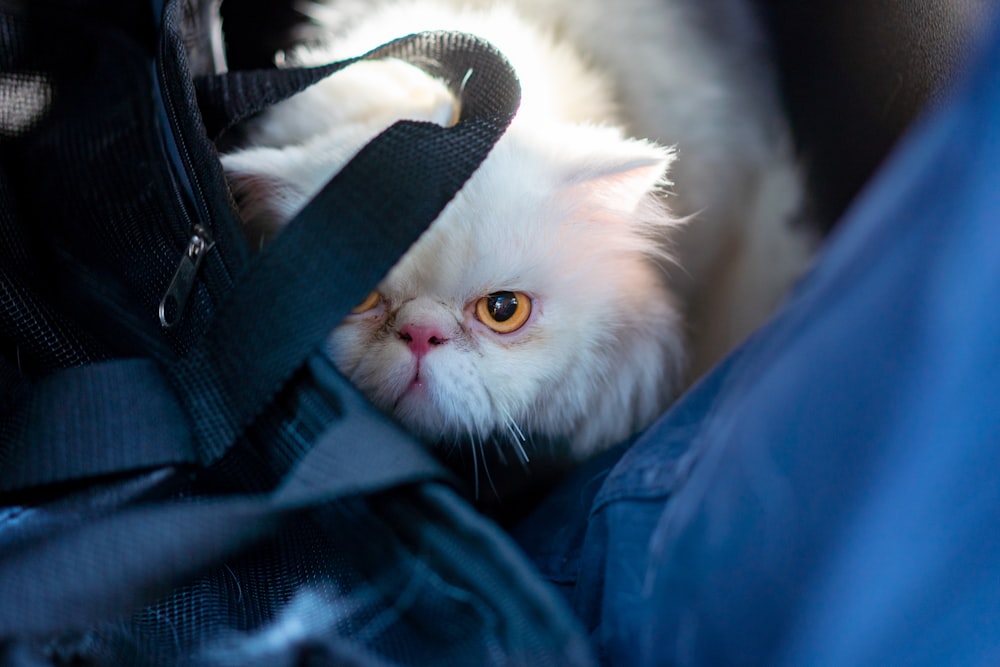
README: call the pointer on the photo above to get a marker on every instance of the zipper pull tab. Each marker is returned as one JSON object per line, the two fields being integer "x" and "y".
{"x": 182, "y": 284}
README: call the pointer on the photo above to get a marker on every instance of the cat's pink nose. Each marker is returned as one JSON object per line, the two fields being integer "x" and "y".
{"x": 421, "y": 339}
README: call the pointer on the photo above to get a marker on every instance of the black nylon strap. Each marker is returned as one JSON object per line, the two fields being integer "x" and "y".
{"x": 107, "y": 418}
{"x": 228, "y": 98}
{"x": 343, "y": 242}
{"x": 115, "y": 563}
{"x": 357, "y": 454}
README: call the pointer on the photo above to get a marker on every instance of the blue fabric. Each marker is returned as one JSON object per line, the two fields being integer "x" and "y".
{"x": 830, "y": 495}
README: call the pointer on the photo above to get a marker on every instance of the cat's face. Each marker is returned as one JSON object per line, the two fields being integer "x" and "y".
{"x": 533, "y": 310}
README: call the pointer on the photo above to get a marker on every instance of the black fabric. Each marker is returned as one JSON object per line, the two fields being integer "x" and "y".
{"x": 85, "y": 422}
{"x": 856, "y": 73}
{"x": 213, "y": 491}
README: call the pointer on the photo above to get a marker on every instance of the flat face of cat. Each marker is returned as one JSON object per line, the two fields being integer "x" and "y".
{"x": 532, "y": 311}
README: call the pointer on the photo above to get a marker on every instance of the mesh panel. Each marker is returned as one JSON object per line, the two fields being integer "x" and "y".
{"x": 33, "y": 336}
{"x": 96, "y": 202}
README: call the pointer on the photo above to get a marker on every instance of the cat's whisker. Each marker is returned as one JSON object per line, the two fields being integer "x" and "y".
{"x": 517, "y": 436}
{"x": 511, "y": 424}
{"x": 475, "y": 468}
{"x": 522, "y": 455}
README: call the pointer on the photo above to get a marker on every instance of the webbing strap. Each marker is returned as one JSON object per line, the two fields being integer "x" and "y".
{"x": 107, "y": 418}
{"x": 134, "y": 554}
{"x": 358, "y": 454}
{"x": 228, "y": 98}
{"x": 325, "y": 261}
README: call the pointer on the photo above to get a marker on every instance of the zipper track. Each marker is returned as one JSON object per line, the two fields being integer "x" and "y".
{"x": 176, "y": 150}
{"x": 188, "y": 190}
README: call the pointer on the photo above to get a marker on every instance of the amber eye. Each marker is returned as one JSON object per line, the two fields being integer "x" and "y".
{"x": 370, "y": 302}
{"x": 504, "y": 312}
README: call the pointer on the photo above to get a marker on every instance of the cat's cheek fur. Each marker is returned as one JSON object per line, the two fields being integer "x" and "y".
{"x": 468, "y": 388}
{"x": 449, "y": 404}
{"x": 375, "y": 359}
{"x": 383, "y": 371}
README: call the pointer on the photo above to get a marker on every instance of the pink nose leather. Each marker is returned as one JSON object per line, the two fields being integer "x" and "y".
{"x": 421, "y": 339}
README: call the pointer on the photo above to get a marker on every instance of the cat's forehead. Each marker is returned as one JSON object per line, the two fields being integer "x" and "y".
{"x": 465, "y": 253}
{"x": 498, "y": 233}
{"x": 530, "y": 218}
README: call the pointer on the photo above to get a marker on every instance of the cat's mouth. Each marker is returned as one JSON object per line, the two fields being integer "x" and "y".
{"x": 416, "y": 389}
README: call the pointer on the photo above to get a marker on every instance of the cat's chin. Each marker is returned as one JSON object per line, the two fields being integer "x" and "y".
{"x": 414, "y": 408}
{"x": 415, "y": 398}
{"x": 501, "y": 469}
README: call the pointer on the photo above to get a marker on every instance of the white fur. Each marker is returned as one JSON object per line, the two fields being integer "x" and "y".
{"x": 602, "y": 353}
{"x": 693, "y": 74}
{"x": 566, "y": 209}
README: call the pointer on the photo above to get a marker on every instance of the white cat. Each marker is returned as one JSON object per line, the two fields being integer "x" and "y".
{"x": 538, "y": 315}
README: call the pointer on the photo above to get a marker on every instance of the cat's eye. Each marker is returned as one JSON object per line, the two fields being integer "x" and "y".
{"x": 369, "y": 303}
{"x": 504, "y": 312}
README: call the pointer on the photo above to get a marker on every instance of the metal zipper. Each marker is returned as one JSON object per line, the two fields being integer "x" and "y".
{"x": 191, "y": 200}
{"x": 182, "y": 284}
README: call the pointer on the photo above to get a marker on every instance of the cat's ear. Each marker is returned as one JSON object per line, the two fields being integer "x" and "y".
{"x": 265, "y": 201}
{"x": 621, "y": 171}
